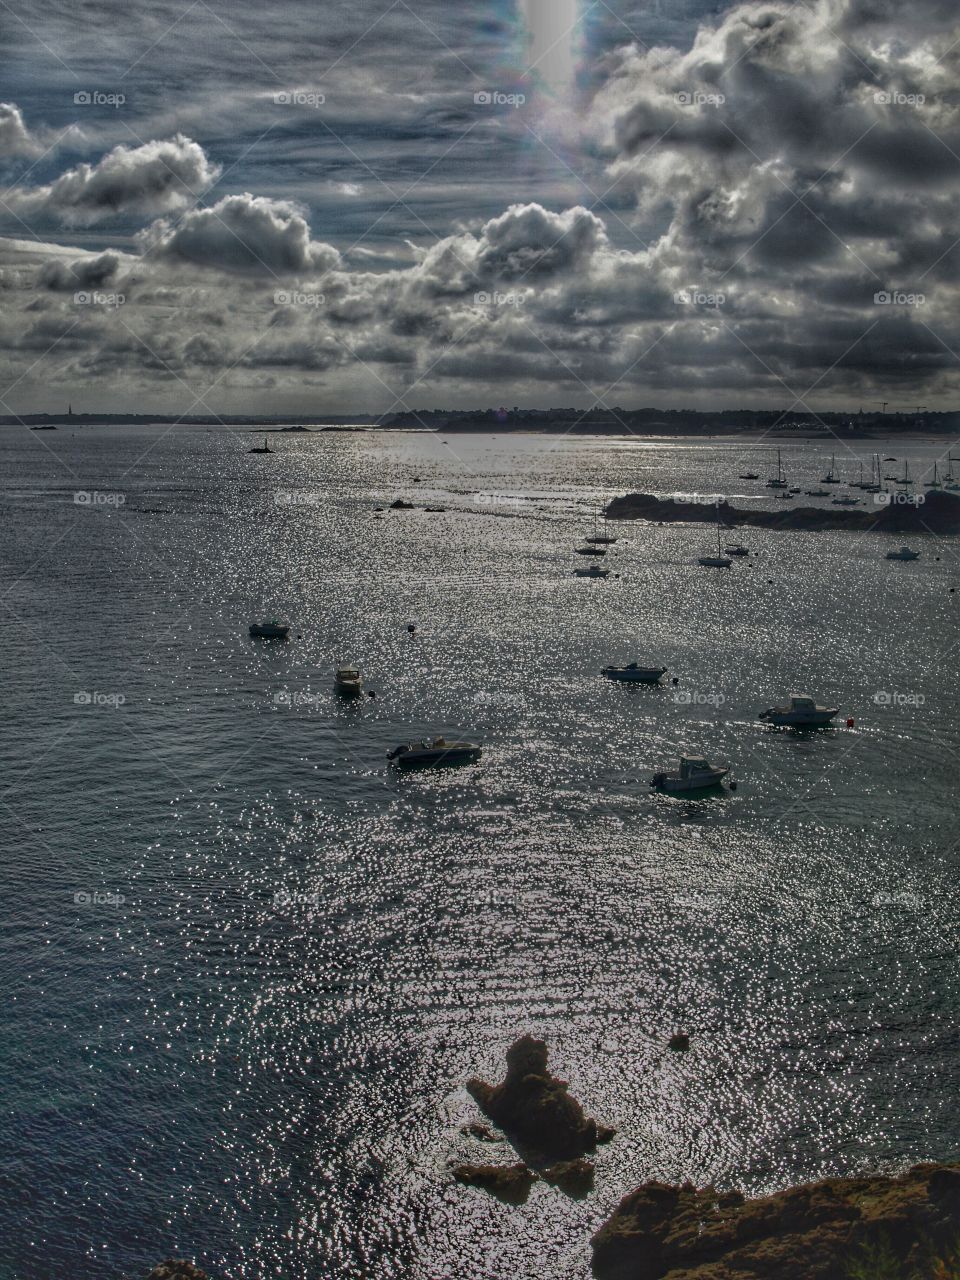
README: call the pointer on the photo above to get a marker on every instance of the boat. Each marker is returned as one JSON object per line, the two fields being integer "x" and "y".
{"x": 592, "y": 571}
{"x": 271, "y": 630}
{"x": 831, "y": 477}
{"x": 591, "y": 551}
{"x": 425, "y": 754}
{"x": 935, "y": 482}
{"x": 845, "y": 500}
{"x": 948, "y": 480}
{"x": 348, "y": 682}
{"x": 818, "y": 493}
{"x": 719, "y": 561}
{"x": 781, "y": 480}
{"x": 694, "y": 774}
{"x": 903, "y": 554}
{"x": 749, "y": 475}
{"x": 600, "y": 539}
{"x": 905, "y": 478}
{"x": 801, "y": 711}
{"x": 784, "y": 497}
{"x": 257, "y": 448}
{"x": 736, "y": 549}
{"x": 634, "y": 674}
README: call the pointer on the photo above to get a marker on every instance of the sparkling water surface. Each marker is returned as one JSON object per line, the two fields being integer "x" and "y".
{"x": 248, "y": 968}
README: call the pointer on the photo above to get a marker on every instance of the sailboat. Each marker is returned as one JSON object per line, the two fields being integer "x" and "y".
{"x": 256, "y": 448}
{"x": 949, "y": 482}
{"x": 781, "y": 480}
{"x": 719, "y": 561}
{"x": 831, "y": 477}
{"x": 935, "y": 482}
{"x": 905, "y": 479}
{"x": 600, "y": 539}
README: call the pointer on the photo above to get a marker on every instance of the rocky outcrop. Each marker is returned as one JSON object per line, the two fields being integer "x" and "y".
{"x": 534, "y": 1109}
{"x": 574, "y": 1177}
{"x": 508, "y": 1182}
{"x": 826, "y": 1230}
{"x": 938, "y": 512}
{"x": 177, "y": 1269}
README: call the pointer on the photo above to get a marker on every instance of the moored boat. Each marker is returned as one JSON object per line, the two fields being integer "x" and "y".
{"x": 271, "y": 630}
{"x": 800, "y": 711}
{"x": 634, "y": 674}
{"x": 348, "y": 682}
{"x": 425, "y": 754}
{"x": 904, "y": 553}
{"x": 694, "y": 774}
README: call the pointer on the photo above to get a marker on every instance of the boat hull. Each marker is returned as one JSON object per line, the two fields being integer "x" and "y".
{"x": 639, "y": 675}
{"x": 797, "y": 719}
{"x": 673, "y": 785}
{"x": 266, "y": 632}
{"x": 439, "y": 757}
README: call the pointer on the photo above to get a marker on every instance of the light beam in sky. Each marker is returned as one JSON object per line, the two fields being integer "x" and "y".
{"x": 552, "y": 25}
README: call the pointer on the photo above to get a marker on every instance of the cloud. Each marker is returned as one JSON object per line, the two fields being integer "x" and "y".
{"x": 15, "y": 138}
{"x": 59, "y": 274}
{"x": 155, "y": 178}
{"x": 242, "y": 233}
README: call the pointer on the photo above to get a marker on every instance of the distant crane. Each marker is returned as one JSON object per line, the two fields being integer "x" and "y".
{"x": 883, "y": 405}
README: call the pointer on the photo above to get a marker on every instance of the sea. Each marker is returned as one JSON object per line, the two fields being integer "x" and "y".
{"x": 247, "y": 967}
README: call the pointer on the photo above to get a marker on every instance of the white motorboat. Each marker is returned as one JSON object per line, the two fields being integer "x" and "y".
{"x": 272, "y": 630}
{"x": 592, "y": 571}
{"x": 801, "y": 710}
{"x": 903, "y": 554}
{"x": 694, "y": 774}
{"x": 736, "y": 549}
{"x": 634, "y": 674}
{"x": 419, "y": 755}
{"x": 348, "y": 682}
{"x": 846, "y": 500}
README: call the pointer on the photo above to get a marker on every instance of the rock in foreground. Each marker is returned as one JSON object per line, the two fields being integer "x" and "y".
{"x": 534, "y": 1110}
{"x": 508, "y": 1182}
{"x": 813, "y": 1232}
{"x": 177, "y": 1269}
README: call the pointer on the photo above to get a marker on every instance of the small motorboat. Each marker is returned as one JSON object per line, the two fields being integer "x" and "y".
{"x": 591, "y": 551}
{"x": 592, "y": 571}
{"x": 634, "y": 674}
{"x": 749, "y": 475}
{"x": 903, "y": 554}
{"x": 272, "y": 630}
{"x": 423, "y": 755}
{"x": 801, "y": 711}
{"x": 846, "y": 500}
{"x": 348, "y": 682}
{"x": 818, "y": 493}
{"x": 602, "y": 539}
{"x": 785, "y": 497}
{"x": 694, "y": 774}
{"x": 736, "y": 549}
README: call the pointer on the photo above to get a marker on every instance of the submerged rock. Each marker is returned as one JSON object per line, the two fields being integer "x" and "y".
{"x": 534, "y": 1110}
{"x": 821, "y": 1231}
{"x": 400, "y": 505}
{"x": 680, "y": 1043}
{"x": 177, "y": 1269}
{"x": 480, "y": 1131}
{"x": 508, "y": 1182}
{"x": 575, "y": 1177}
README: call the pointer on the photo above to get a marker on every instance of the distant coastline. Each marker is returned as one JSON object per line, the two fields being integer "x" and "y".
{"x": 628, "y": 423}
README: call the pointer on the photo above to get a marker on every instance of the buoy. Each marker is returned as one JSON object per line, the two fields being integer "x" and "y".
{"x": 733, "y": 786}
{"x": 411, "y": 627}
{"x": 371, "y": 693}
{"x": 849, "y": 722}
{"x": 676, "y": 679}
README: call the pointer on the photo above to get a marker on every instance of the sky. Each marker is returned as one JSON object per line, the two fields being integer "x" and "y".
{"x": 368, "y": 206}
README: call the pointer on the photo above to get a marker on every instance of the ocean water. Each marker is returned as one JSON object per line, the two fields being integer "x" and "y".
{"x": 247, "y": 969}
